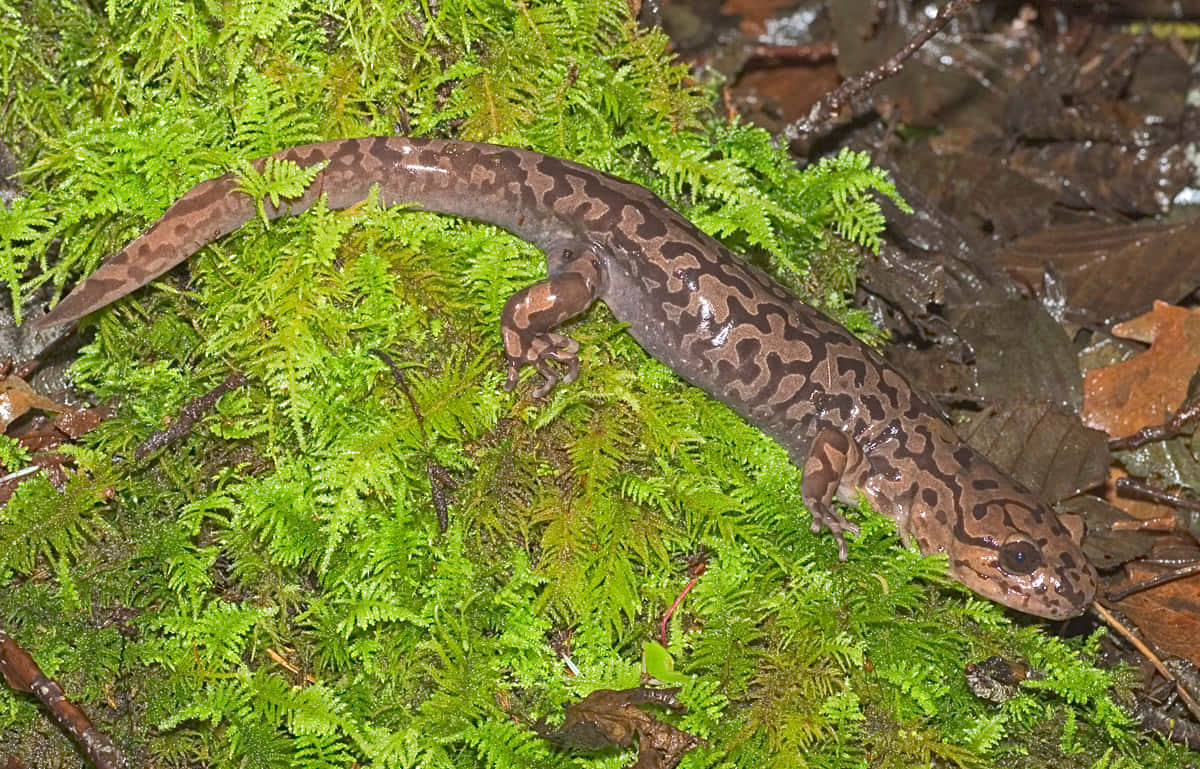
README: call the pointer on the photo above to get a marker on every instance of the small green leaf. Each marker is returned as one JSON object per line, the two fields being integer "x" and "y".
{"x": 279, "y": 179}
{"x": 658, "y": 664}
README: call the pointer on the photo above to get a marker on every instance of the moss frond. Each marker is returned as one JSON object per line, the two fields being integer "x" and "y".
{"x": 275, "y": 588}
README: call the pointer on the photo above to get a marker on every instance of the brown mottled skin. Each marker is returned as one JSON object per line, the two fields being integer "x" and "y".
{"x": 847, "y": 417}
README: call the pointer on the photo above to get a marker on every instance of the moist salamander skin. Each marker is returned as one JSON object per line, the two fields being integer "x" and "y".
{"x": 849, "y": 419}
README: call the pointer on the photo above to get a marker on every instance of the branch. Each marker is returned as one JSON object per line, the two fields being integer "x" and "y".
{"x": 1168, "y": 429}
{"x": 188, "y": 416}
{"x": 22, "y": 673}
{"x": 823, "y": 114}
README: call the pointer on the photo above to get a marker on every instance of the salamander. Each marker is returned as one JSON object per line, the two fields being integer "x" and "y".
{"x": 848, "y": 419}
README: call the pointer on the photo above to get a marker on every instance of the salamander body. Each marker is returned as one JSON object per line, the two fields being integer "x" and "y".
{"x": 848, "y": 418}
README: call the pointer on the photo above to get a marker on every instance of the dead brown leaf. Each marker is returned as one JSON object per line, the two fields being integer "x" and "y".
{"x": 1137, "y": 509}
{"x": 1080, "y": 96}
{"x": 17, "y": 398}
{"x": 979, "y": 191}
{"x": 1168, "y": 615}
{"x": 1136, "y": 181}
{"x": 1107, "y": 544}
{"x": 607, "y": 718}
{"x": 1044, "y": 448}
{"x": 1021, "y": 354}
{"x": 1144, "y": 390}
{"x": 40, "y": 436}
{"x": 933, "y": 370}
{"x": 1109, "y": 271}
{"x": 76, "y": 422}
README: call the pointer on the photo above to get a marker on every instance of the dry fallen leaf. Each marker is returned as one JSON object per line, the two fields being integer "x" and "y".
{"x": 979, "y": 191}
{"x": 1168, "y": 615}
{"x": 1109, "y": 271}
{"x": 1021, "y": 354}
{"x": 607, "y": 718}
{"x": 1137, "y": 181}
{"x": 1123, "y": 398}
{"x": 1138, "y": 509}
{"x": 41, "y": 436}
{"x": 76, "y": 422}
{"x": 17, "y": 397}
{"x": 1041, "y": 446}
{"x": 1108, "y": 542}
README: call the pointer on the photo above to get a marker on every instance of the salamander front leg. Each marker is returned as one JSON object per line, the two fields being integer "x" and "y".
{"x": 530, "y": 314}
{"x": 828, "y": 457}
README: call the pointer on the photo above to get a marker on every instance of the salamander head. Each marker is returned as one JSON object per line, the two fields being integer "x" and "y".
{"x": 1001, "y": 540}
{"x": 1014, "y": 550}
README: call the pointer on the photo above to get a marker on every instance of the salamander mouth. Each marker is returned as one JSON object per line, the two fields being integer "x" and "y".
{"x": 1052, "y": 597}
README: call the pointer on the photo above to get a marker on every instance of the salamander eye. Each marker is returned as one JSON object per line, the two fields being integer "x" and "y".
{"x": 1020, "y": 556}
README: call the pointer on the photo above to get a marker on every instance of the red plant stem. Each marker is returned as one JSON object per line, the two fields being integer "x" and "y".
{"x": 662, "y": 632}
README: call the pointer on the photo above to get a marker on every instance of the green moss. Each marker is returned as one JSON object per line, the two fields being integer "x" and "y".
{"x": 295, "y": 526}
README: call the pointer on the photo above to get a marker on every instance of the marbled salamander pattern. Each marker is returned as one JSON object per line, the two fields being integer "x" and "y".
{"x": 847, "y": 417}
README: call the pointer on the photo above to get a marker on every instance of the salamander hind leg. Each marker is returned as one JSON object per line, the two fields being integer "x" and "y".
{"x": 829, "y": 456}
{"x": 531, "y": 313}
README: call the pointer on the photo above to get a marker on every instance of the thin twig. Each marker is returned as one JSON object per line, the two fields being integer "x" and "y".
{"x": 1162, "y": 669}
{"x": 289, "y": 666}
{"x": 402, "y": 383}
{"x": 813, "y": 52}
{"x": 1162, "y": 523}
{"x": 825, "y": 112}
{"x": 20, "y": 473}
{"x": 1161, "y": 579}
{"x": 698, "y": 564}
{"x": 22, "y": 673}
{"x": 440, "y": 480}
{"x": 1131, "y": 487}
{"x": 188, "y": 416}
{"x": 1173, "y": 426}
